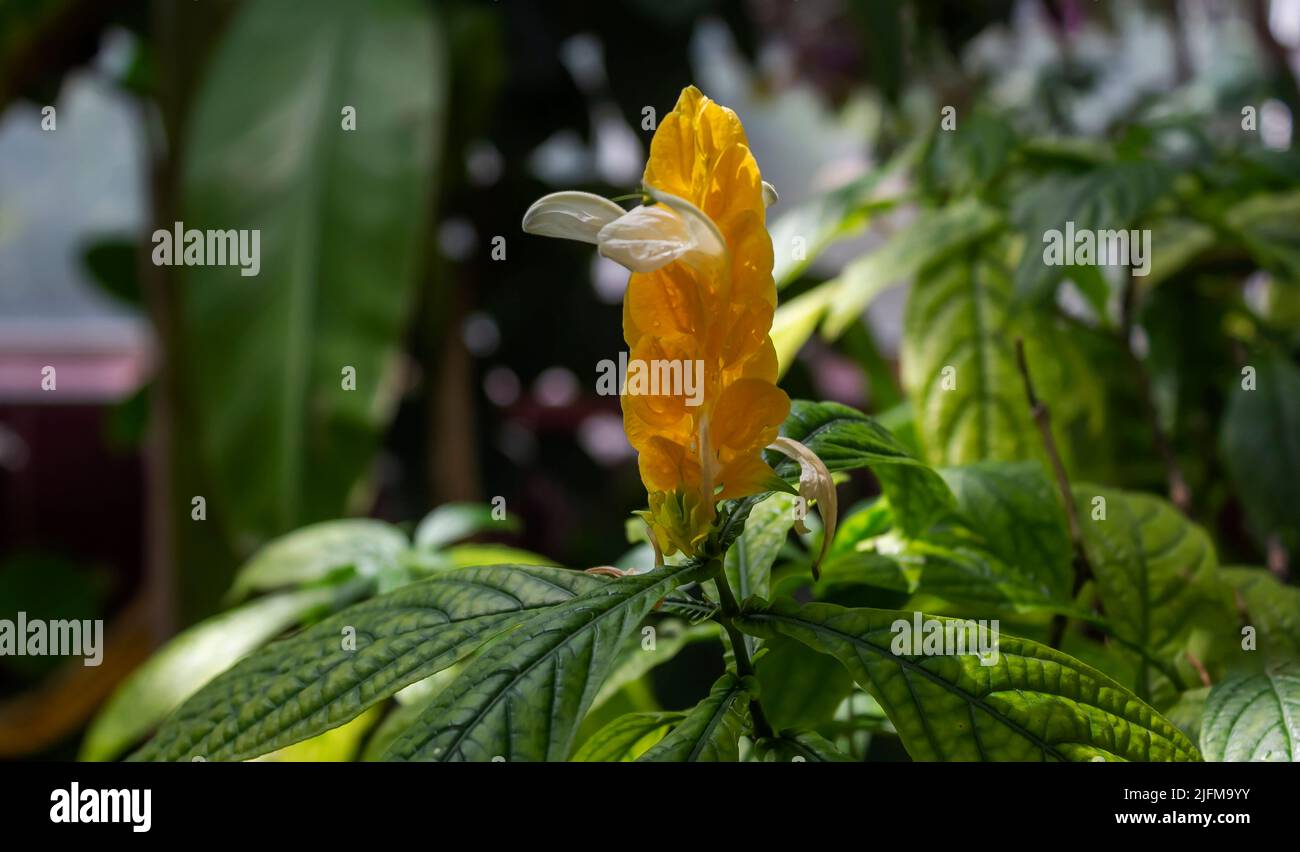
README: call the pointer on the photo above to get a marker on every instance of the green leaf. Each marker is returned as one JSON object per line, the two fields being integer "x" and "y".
{"x": 748, "y": 562}
{"x": 800, "y": 746}
{"x": 934, "y": 236}
{"x": 524, "y": 695}
{"x": 1013, "y": 510}
{"x": 454, "y": 521}
{"x": 845, "y": 439}
{"x": 469, "y": 555}
{"x": 314, "y": 552}
{"x": 337, "y": 745}
{"x": 1181, "y": 241}
{"x": 627, "y": 737}
{"x": 1254, "y": 716}
{"x": 341, "y": 216}
{"x": 1271, "y": 607}
{"x": 189, "y": 660}
{"x": 1155, "y": 574}
{"x": 959, "y": 366}
{"x": 711, "y": 731}
{"x": 968, "y": 159}
{"x": 636, "y": 659}
{"x": 329, "y": 673}
{"x": 1034, "y": 703}
{"x": 801, "y": 688}
{"x": 1111, "y": 196}
{"x": 1269, "y": 225}
{"x": 1261, "y": 448}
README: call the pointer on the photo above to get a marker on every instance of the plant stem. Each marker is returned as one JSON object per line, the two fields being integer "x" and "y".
{"x": 1043, "y": 419}
{"x": 744, "y": 667}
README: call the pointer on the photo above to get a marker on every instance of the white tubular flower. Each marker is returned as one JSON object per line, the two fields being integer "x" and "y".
{"x": 815, "y": 483}
{"x": 643, "y": 239}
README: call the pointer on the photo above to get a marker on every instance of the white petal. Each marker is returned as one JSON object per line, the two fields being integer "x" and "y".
{"x": 704, "y": 233}
{"x": 769, "y": 195}
{"x": 814, "y": 482}
{"x": 646, "y": 238}
{"x": 571, "y": 216}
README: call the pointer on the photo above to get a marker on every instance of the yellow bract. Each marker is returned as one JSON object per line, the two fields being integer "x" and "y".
{"x": 714, "y": 309}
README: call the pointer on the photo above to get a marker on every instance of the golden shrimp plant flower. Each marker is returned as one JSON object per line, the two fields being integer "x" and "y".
{"x": 701, "y": 293}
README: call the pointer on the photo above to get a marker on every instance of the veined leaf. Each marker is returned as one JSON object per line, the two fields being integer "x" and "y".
{"x": 1254, "y": 716}
{"x": 959, "y": 366}
{"x": 1271, "y": 607}
{"x": 1033, "y": 703}
{"x": 332, "y": 671}
{"x": 340, "y": 218}
{"x": 935, "y": 235}
{"x": 452, "y": 522}
{"x": 1013, "y": 509}
{"x": 799, "y": 746}
{"x": 748, "y": 562}
{"x": 191, "y": 659}
{"x": 711, "y": 731}
{"x": 1155, "y": 571}
{"x": 1111, "y": 196}
{"x": 636, "y": 659}
{"x": 627, "y": 737}
{"x": 845, "y": 439}
{"x": 523, "y": 696}
{"x": 314, "y": 552}
{"x": 337, "y": 745}
{"x": 1261, "y": 447}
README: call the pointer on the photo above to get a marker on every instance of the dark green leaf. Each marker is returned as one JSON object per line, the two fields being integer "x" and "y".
{"x": 1033, "y": 703}
{"x": 340, "y": 217}
{"x": 801, "y": 688}
{"x": 315, "y": 680}
{"x": 188, "y": 661}
{"x": 710, "y": 732}
{"x": 1261, "y": 447}
{"x": 523, "y": 697}
{"x": 800, "y": 746}
{"x": 1111, "y": 196}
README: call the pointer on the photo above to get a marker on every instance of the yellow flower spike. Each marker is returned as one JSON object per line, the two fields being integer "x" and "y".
{"x": 701, "y": 293}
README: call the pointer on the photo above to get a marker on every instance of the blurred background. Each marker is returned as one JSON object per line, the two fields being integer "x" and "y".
{"x": 396, "y": 252}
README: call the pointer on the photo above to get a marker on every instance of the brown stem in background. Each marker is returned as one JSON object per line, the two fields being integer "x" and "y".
{"x": 1179, "y": 492}
{"x": 1043, "y": 419}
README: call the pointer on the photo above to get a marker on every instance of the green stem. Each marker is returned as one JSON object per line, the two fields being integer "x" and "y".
{"x": 744, "y": 666}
